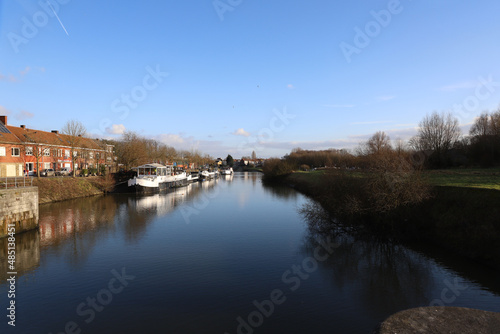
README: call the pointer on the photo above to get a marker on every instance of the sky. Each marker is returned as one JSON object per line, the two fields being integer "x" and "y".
{"x": 236, "y": 76}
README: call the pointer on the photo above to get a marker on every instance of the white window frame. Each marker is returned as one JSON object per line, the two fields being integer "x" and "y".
{"x": 14, "y": 154}
{"x": 29, "y": 151}
{"x": 46, "y": 153}
{"x": 3, "y": 151}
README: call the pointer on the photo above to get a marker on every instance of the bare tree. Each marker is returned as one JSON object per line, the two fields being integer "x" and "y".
{"x": 74, "y": 130}
{"x": 34, "y": 145}
{"x": 437, "y": 132}
{"x": 495, "y": 123}
{"x": 379, "y": 143}
{"x": 481, "y": 126}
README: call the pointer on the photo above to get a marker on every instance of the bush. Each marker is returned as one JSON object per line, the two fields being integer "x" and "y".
{"x": 277, "y": 168}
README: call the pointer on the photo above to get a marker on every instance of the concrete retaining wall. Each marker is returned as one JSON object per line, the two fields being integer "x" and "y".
{"x": 18, "y": 206}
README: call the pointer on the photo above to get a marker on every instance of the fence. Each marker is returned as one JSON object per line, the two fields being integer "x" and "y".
{"x": 16, "y": 182}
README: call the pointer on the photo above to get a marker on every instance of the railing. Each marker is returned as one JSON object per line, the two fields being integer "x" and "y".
{"x": 16, "y": 182}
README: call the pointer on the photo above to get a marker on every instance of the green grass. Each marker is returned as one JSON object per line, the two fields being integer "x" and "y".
{"x": 465, "y": 178}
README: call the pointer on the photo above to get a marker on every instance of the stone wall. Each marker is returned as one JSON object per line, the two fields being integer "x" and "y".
{"x": 18, "y": 206}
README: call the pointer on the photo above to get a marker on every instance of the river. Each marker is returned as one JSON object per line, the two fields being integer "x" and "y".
{"x": 224, "y": 256}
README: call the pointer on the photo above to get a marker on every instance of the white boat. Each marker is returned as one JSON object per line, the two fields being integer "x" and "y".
{"x": 194, "y": 176}
{"x": 180, "y": 179}
{"x": 208, "y": 174}
{"x": 227, "y": 171}
{"x": 152, "y": 178}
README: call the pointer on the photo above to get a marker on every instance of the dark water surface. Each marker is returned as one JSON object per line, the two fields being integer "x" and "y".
{"x": 225, "y": 256}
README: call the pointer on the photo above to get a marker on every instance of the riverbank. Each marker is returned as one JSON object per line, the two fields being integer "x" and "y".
{"x": 441, "y": 320}
{"x": 459, "y": 219}
{"x": 55, "y": 189}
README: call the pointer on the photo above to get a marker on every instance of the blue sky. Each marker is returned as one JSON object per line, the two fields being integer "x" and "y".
{"x": 233, "y": 76}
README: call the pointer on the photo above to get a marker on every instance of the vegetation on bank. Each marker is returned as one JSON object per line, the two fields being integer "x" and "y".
{"x": 464, "y": 220}
{"x": 393, "y": 191}
{"x": 57, "y": 189}
{"x": 485, "y": 178}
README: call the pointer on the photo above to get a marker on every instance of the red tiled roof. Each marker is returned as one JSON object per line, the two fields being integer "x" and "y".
{"x": 25, "y": 135}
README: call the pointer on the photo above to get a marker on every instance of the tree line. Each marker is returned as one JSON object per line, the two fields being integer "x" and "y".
{"x": 135, "y": 150}
{"x": 438, "y": 143}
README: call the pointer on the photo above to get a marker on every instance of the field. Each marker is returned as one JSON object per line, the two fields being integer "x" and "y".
{"x": 466, "y": 178}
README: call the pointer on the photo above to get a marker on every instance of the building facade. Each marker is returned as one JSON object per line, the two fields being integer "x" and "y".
{"x": 29, "y": 150}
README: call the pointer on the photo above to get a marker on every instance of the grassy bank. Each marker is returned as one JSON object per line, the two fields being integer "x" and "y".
{"x": 56, "y": 189}
{"x": 463, "y": 219}
{"x": 465, "y": 178}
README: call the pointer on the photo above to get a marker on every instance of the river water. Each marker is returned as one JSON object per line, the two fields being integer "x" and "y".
{"x": 224, "y": 256}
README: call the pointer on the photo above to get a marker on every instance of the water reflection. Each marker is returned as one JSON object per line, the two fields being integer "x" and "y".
{"x": 389, "y": 275}
{"x": 280, "y": 191}
{"x": 71, "y": 229}
{"x": 27, "y": 254}
{"x": 383, "y": 274}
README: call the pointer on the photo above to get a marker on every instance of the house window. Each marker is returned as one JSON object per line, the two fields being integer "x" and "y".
{"x": 46, "y": 153}
{"x": 2, "y": 151}
{"x": 66, "y": 153}
{"x": 29, "y": 150}
{"x": 59, "y": 153}
{"x": 16, "y": 152}
{"x": 75, "y": 154}
{"x": 46, "y": 165}
{"x": 91, "y": 155}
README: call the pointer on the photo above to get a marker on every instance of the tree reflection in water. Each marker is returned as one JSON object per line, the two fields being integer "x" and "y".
{"x": 376, "y": 272}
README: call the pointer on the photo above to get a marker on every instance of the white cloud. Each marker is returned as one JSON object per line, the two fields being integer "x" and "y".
{"x": 371, "y": 122}
{"x": 290, "y": 86}
{"x": 173, "y": 139}
{"x": 386, "y": 98}
{"x": 23, "y": 114}
{"x": 25, "y": 71}
{"x": 4, "y": 111}
{"x": 459, "y": 85}
{"x": 241, "y": 132}
{"x": 116, "y": 129}
{"x": 215, "y": 148}
{"x": 22, "y": 73}
{"x": 9, "y": 78}
{"x": 339, "y": 105}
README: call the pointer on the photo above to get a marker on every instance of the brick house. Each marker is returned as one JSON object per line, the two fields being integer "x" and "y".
{"x": 27, "y": 149}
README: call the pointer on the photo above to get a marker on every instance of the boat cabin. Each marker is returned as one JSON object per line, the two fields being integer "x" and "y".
{"x": 153, "y": 169}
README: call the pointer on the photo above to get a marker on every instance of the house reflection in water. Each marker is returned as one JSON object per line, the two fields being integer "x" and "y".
{"x": 71, "y": 229}
{"x": 27, "y": 254}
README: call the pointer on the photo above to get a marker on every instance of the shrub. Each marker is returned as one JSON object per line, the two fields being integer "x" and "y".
{"x": 277, "y": 168}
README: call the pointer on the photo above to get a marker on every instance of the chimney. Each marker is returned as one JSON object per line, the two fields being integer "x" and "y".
{"x": 23, "y": 126}
{"x": 55, "y": 131}
{"x": 3, "y": 119}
